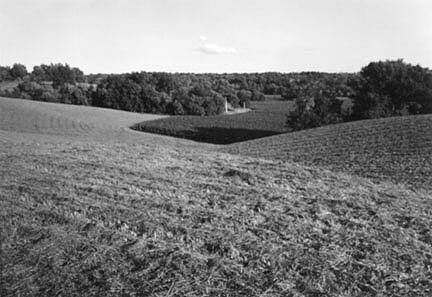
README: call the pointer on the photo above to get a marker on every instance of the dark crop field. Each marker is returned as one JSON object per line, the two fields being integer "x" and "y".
{"x": 266, "y": 118}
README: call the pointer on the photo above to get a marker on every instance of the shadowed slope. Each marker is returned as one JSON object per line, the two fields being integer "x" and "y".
{"x": 397, "y": 148}
{"x": 266, "y": 118}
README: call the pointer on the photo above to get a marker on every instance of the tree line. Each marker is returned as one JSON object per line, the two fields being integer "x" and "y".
{"x": 380, "y": 89}
{"x": 159, "y": 92}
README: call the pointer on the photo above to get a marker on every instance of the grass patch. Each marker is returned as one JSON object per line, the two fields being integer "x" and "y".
{"x": 267, "y": 118}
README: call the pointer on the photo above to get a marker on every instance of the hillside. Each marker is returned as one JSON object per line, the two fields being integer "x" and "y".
{"x": 53, "y": 118}
{"x": 113, "y": 212}
{"x": 397, "y": 148}
{"x": 27, "y": 120}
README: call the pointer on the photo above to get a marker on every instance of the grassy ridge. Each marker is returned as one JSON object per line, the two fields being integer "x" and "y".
{"x": 398, "y": 148}
{"x": 267, "y": 118}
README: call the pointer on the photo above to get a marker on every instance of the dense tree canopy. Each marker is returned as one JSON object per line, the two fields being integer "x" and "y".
{"x": 392, "y": 88}
{"x": 58, "y": 74}
{"x": 18, "y": 71}
{"x": 322, "y": 107}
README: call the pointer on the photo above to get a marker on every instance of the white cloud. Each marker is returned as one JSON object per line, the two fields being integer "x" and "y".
{"x": 214, "y": 49}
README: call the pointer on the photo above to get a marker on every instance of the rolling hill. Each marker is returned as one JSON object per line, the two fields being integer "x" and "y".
{"x": 397, "y": 148}
{"x": 53, "y": 118}
{"x": 89, "y": 207}
{"x": 38, "y": 121}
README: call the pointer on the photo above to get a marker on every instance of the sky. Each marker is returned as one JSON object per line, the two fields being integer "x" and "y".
{"x": 115, "y": 36}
